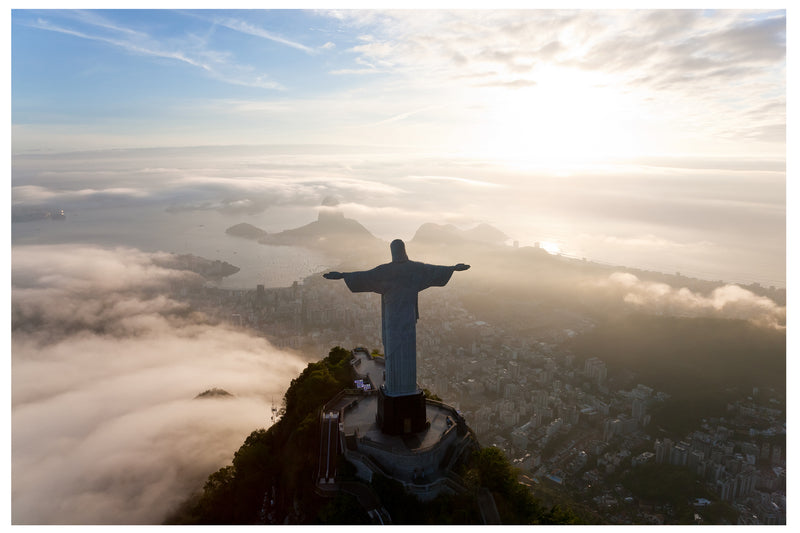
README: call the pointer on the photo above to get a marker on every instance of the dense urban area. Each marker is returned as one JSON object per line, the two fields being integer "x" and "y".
{"x": 574, "y": 435}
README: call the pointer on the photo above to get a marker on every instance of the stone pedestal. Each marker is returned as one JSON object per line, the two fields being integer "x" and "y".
{"x": 400, "y": 415}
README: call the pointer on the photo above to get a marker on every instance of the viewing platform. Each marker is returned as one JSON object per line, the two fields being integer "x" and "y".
{"x": 422, "y": 461}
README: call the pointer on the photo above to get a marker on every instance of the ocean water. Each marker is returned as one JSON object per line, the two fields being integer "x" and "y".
{"x": 703, "y": 254}
{"x": 152, "y": 229}
{"x": 718, "y": 220}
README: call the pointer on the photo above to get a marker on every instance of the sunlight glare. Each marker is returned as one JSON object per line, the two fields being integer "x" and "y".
{"x": 550, "y": 247}
{"x": 569, "y": 118}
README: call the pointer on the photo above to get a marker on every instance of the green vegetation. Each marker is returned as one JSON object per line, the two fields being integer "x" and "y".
{"x": 343, "y": 509}
{"x": 281, "y": 463}
{"x": 283, "y": 457}
{"x": 486, "y": 468}
{"x": 703, "y": 363}
{"x": 404, "y": 508}
{"x": 672, "y": 486}
{"x": 516, "y": 504}
{"x": 663, "y": 483}
{"x": 431, "y": 396}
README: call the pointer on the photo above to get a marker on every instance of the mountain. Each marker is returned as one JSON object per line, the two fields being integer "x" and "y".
{"x": 332, "y": 231}
{"x": 702, "y": 363}
{"x": 449, "y": 234}
{"x": 214, "y": 393}
{"x": 246, "y": 231}
{"x": 530, "y": 274}
{"x": 271, "y": 477}
{"x": 212, "y": 270}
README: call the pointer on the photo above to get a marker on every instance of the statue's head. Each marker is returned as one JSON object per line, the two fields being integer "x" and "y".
{"x": 398, "y": 248}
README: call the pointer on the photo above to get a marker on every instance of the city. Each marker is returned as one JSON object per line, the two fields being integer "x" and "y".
{"x": 575, "y": 435}
{"x": 616, "y": 181}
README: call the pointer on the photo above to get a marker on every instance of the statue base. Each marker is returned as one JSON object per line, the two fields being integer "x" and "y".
{"x": 400, "y": 415}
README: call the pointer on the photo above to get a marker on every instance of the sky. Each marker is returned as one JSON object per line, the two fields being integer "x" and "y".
{"x": 652, "y": 139}
{"x": 531, "y": 87}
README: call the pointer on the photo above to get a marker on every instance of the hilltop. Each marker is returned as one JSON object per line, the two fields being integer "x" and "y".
{"x": 500, "y": 266}
{"x": 270, "y": 480}
{"x": 332, "y": 233}
{"x": 246, "y": 231}
{"x": 449, "y": 234}
{"x": 214, "y": 392}
{"x": 207, "y": 268}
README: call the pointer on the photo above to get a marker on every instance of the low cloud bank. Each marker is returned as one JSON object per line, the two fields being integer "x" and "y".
{"x": 728, "y": 301}
{"x": 105, "y": 368}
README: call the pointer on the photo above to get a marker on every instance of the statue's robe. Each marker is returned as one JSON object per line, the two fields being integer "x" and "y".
{"x": 399, "y": 284}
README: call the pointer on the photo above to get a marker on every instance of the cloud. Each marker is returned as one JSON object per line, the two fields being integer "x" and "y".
{"x": 148, "y": 49}
{"x": 206, "y": 182}
{"x": 517, "y": 83}
{"x": 676, "y": 59}
{"x": 189, "y": 49}
{"x": 657, "y": 212}
{"x": 105, "y": 366}
{"x": 250, "y": 29}
{"x": 457, "y": 180}
{"x": 728, "y": 301}
{"x": 356, "y": 71}
{"x": 37, "y": 195}
{"x": 403, "y": 116}
{"x": 648, "y": 241}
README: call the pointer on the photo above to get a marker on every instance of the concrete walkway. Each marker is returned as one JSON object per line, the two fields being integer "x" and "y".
{"x": 368, "y": 366}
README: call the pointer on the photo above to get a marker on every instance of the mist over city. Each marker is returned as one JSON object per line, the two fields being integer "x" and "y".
{"x": 616, "y": 181}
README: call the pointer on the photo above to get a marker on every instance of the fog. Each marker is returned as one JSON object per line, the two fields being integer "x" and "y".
{"x": 727, "y": 301}
{"x": 105, "y": 365}
{"x": 718, "y": 219}
{"x": 105, "y": 369}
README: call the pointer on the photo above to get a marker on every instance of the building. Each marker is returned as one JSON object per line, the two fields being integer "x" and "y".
{"x": 596, "y": 370}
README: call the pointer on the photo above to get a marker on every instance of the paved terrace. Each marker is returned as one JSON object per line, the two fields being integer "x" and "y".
{"x": 421, "y": 461}
{"x": 359, "y": 419}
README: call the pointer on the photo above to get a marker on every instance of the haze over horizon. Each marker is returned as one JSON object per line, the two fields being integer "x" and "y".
{"x": 652, "y": 139}
{"x": 643, "y": 138}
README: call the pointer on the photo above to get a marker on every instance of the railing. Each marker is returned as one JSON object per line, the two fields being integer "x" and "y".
{"x": 369, "y": 462}
{"x": 341, "y": 394}
{"x": 455, "y": 481}
{"x": 452, "y": 482}
{"x": 446, "y": 407}
{"x": 458, "y": 450}
{"x": 403, "y": 450}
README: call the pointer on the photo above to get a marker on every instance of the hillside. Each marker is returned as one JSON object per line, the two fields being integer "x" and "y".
{"x": 331, "y": 228}
{"x": 449, "y": 234}
{"x": 702, "y": 363}
{"x": 246, "y": 231}
{"x": 331, "y": 233}
{"x": 270, "y": 480}
{"x": 209, "y": 269}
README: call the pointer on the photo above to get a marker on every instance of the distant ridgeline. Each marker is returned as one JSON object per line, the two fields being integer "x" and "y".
{"x": 327, "y": 234}
{"x": 214, "y": 393}
{"x": 272, "y": 477}
{"x": 517, "y": 273}
{"x": 213, "y": 270}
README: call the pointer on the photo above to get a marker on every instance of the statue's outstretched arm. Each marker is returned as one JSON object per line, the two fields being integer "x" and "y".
{"x": 461, "y": 266}
{"x": 333, "y": 275}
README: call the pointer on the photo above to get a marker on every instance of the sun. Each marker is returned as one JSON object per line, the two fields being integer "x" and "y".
{"x": 568, "y": 117}
{"x": 550, "y": 247}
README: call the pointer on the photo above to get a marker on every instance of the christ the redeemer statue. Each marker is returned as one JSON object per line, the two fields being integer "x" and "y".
{"x": 399, "y": 283}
